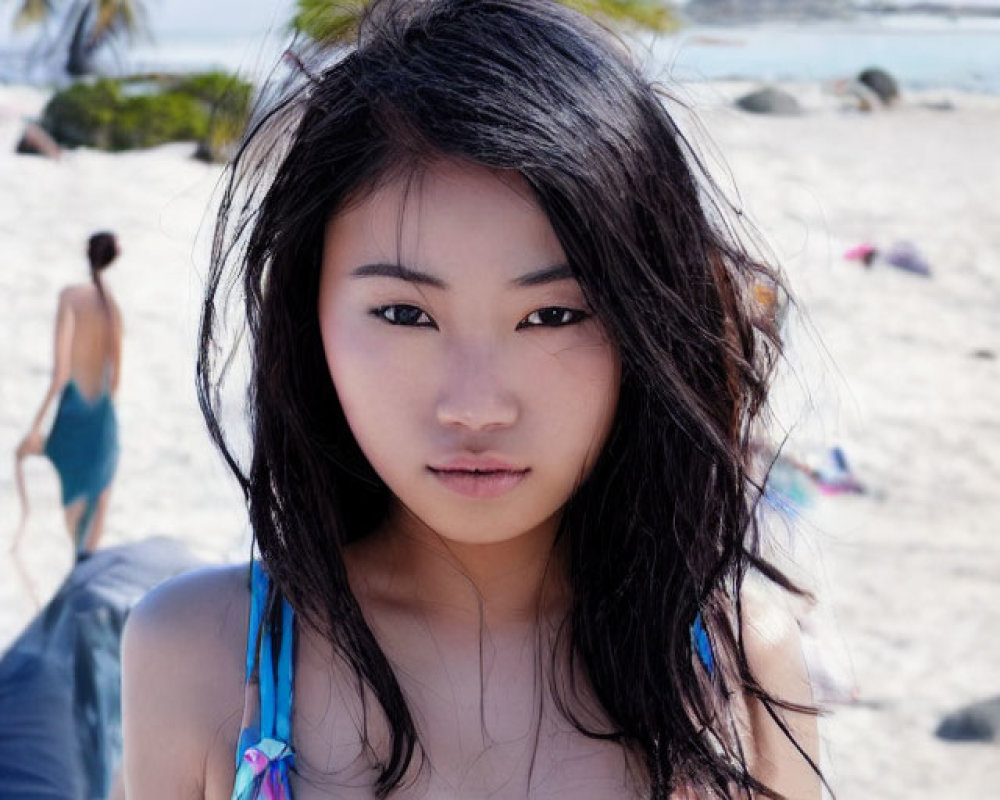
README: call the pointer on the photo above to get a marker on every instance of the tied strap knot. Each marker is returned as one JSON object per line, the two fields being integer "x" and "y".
{"x": 271, "y": 759}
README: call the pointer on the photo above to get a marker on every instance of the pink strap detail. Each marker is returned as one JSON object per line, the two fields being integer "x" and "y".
{"x": 257, "y": 760}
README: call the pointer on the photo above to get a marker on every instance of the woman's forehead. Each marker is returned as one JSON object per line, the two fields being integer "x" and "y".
{"x": 457, "y": 219}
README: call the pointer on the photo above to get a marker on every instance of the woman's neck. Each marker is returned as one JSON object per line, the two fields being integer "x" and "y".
{"x": 518, "y": 580}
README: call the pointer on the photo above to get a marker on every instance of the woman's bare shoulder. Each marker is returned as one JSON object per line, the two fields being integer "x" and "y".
{"x": 773, "y": 646}
{"x": 68, "y": 298}
{"x": 197, "y": 603}
{"x": 191, "y": 630}
{"x": 182, "y": 678}
{"x": 75, "y": 292}
{"x": 770, "y": 627}
{"x": 86, "y": 295}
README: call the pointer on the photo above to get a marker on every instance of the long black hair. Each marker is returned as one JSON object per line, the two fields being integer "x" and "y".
{"x": 102, "y": 249}
{"x": 662, "y": 531}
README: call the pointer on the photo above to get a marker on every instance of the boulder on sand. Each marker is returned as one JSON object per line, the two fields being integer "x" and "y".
{"x": 978, "y": 722}
{"x": 769, "y": 101}
{"x": 881, "y": 83}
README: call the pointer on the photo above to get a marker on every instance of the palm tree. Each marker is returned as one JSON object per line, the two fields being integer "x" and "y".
{"x": 33, "y": 11}
{"x": 90, "y": 24}
{"x": 336, "y": 21}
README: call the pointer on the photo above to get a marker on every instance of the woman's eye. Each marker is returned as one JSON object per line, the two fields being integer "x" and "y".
{"x": 553, "y": 317}
{"x": 403, "y": 315}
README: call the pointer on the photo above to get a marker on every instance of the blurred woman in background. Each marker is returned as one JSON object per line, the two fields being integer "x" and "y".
{"x": 83, "y": 442}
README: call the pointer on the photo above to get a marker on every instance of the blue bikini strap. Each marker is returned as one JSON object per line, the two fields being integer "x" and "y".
{"x": 258, "y": 596}
{"x": 701, "y": 645}
{"x": 275, "y": 684}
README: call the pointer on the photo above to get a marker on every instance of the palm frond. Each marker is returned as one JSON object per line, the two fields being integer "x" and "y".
{"x": 32, "y": 12}
{"x": 116, "y": 18}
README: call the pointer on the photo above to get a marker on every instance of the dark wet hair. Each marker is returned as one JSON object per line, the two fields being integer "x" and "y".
{"x": 664, "y": 527}
{"x": 102, "y": 249}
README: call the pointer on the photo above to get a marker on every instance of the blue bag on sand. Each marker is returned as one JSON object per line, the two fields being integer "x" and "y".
{"x": 60, "y": 681}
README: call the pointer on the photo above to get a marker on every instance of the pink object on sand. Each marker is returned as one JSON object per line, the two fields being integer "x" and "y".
{"x": 860, "y": 252}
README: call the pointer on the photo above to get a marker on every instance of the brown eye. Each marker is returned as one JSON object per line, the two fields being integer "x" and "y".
{"x": 552, "y": 317}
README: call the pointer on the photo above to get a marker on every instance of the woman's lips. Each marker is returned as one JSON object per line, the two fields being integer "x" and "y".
{"x": 479, "y": 477}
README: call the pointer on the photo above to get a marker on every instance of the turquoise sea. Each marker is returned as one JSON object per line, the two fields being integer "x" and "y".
{"x": 921, "y": 51}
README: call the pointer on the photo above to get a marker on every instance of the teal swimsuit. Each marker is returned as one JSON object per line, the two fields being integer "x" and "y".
{"x": 83, "y": 447}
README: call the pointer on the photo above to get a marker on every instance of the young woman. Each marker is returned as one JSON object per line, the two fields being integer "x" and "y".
{"x": 83, "y": 442}
{"x": 504, "y": 377}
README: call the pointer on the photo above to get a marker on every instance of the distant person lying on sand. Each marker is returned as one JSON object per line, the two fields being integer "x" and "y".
{"x": 83, "y": 442}
{"x": 34, "y": 139}
{"x": 902, "y": 255}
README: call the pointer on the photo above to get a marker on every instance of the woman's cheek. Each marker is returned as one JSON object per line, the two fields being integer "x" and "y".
{"x": 579, "y": 362}
{"x": 593, "y": 376}
{"x": 378, "y": 372}
{"x": 361, "y": 347}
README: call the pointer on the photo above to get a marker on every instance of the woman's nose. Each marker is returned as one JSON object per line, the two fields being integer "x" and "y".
{"x": 476, "y": 393}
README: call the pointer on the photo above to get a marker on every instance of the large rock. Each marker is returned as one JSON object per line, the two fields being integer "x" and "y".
{"x": 979, "y": 722}
{"x": 769, "y": 101}
{"x": 881, "y": 83}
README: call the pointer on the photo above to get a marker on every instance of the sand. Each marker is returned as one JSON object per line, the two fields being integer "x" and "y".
{"x": 894, "y": 368}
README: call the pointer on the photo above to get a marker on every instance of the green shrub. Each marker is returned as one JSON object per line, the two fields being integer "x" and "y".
{"x": 328, "y": 22}
{"x": 216, "y": 88}
{"x": 229, "y": 100}
{"x": 83, "y": 114}
{"x": 149, "y": 120}
{"x": 333, "y": 22}
{"x": 210, "y": 108}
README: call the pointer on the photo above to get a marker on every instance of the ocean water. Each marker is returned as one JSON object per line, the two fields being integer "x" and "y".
{"x": 921, "y": 51}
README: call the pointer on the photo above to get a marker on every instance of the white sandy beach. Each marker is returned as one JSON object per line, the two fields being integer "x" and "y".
{"x": 885, "y": 366}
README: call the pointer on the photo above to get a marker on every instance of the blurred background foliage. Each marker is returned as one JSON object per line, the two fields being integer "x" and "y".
{"x": 86, "y": 26}
{"x": 210, "y": 108}
{"x": 335, "y": 22}
{"x": 148, "y": 110}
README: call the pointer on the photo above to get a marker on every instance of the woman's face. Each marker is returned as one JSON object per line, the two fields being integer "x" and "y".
{"x": 469, "y": 367}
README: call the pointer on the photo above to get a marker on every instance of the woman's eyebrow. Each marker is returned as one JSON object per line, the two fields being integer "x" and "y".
{"x": 557, "y": 272}
{"x": 398, "y": 271}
